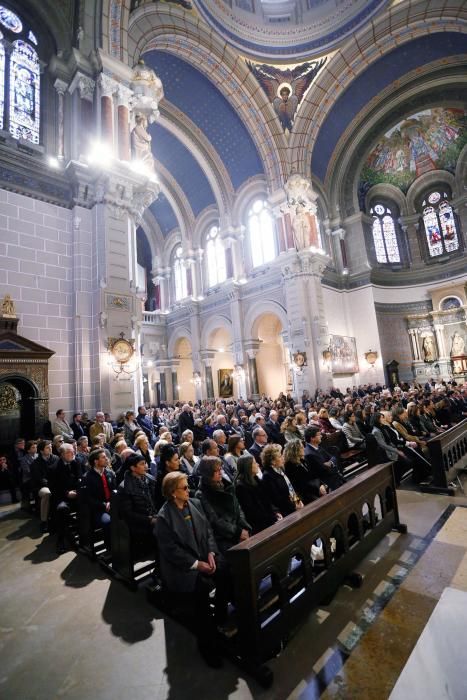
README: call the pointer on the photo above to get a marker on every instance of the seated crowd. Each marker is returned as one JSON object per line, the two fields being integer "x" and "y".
{"x": 194, "y": 480}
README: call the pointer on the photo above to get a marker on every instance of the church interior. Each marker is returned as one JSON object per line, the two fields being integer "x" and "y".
{"x": 235, "y": 201}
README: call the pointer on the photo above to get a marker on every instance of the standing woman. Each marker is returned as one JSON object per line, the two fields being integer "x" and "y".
{"x": 276, "y": 483}
{"x": 252, "y": 497}
{"x": 187, "y": 551}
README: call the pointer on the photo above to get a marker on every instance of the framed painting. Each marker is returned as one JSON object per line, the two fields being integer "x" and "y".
{"x": 225, "y": 383}
{"x": 344, "y": 355}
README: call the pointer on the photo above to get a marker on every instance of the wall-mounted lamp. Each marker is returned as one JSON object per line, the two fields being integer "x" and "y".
{"x": 121, "y": 353}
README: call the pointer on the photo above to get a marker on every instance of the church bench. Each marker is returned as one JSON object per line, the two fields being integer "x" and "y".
{"x": 276, "y": 580}
{"x": 448, "y": 455}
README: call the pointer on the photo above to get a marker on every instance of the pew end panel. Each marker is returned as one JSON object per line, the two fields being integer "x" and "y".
{"x": 448, "y": 456}
{"x": 272, "y": 595}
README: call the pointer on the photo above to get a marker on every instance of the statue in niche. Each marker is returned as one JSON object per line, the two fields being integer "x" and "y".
{"x": 458, "y": 345}
{"x": 141, "y": 142}
{"x": 8, "y": 307}
{"x": 429, "y": 350}
{"x": 301, "y": 228}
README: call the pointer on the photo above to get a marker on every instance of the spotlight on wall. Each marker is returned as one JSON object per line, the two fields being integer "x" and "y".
{"x": 149, "y": 363}
{"x": 221, "y": 350}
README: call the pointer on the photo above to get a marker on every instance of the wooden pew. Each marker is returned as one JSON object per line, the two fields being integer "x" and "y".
{"x": 448, "y": 455}
{"x": 352, "y": 461}
{"x": 356, "y": 516}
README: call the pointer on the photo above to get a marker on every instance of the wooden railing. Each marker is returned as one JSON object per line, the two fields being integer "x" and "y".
{"x": 448, "y": 454}
{"x": 277, "y": 582}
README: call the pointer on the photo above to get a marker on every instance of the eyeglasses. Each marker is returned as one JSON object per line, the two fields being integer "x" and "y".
{"x": 182, "y": 488}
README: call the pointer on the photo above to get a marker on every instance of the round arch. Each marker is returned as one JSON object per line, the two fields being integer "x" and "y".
{"x": 258, "y": 310}
{"x": 213, "y": 324}
{"x": 180, "y": 333}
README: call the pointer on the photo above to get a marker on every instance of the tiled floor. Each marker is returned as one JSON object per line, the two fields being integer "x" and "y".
{"x": 68, "y": 631}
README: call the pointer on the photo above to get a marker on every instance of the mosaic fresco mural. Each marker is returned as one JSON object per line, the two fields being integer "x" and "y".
{"x": 428, "y": 140}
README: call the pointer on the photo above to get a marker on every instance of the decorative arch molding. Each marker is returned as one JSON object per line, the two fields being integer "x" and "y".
{"x": 435, "y": 85}
{"x": 174, "y": 239}
{"x": 182, "y": 332}
{"x": 251, "y": 189}
{"x": 424, "y": 182}
{"x": 50, "y": 21}
{"x": 386, "y": 192}
{"x": 461, "y": 168}
{"x": 177, "y": 200}
{"x": 400, "y": 25}
{"x": 115, "y": 20}
{"x": 170, "y": 29}
{"x": 260, "y": 309}
{"x": 211, "y": 325}
{"x": 153, "y": 233}
{"x": 208, "y": 217}
{"x": 206, "y": 156}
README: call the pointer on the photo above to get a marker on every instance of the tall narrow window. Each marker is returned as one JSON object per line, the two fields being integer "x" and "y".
{"x": 439, "y": 224}
{"x": 24, "y": 92}
{"x": 181, "y": 289}
{"x": 261, "y": 234}
{"x": 2, "y": 81}
{"x": 384, "y": 235}
{"x": 215, "y": 258}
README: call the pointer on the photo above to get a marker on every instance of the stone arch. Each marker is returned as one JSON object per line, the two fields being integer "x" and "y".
{"x": 207, "y": 218}
{"x": 170, "y": 29}
{"x": 386, "y": 191}
{"x": 178, "y": 334}
{"x": 424, "y": 182}
{"x": 254, "y": 188}
{"x": 253, "y": 316}
{"x": 267, "y": 324}
{"x": 211, "y": 325}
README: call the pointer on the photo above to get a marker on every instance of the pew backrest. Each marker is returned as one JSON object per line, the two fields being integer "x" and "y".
{"x": 448, "y": 451}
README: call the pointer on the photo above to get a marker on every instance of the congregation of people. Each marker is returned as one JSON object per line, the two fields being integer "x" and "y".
{"x": 194, "y": 480}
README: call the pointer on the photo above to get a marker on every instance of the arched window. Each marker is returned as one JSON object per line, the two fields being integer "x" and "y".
{"x": 261, "y": 234}
{"x": 19, "y": 79}
{"x": 215, "y": 258}
{"x": 439, "y": 224}
{"x": 181, "y": 290}
{"x": 384, "y": 234}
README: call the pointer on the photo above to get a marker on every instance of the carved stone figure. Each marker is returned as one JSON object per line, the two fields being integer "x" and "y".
{"x": 458, "y": 345}
{"x": 428, "y": 347}
{"x": 141, "y": 142}
{"x": 8, "y": 307}
{"x": 301, "y": 228}
{"x": 147, "y": 91}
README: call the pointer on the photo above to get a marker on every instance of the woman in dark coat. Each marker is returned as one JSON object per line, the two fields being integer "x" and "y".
{"x": 307, "y": 487}
{"x": 187, "y": 558}
{"x": 169, "y": 461}
{"x": 221, "y": 505}
{"x": 277, "y": 485}
{"x": 252, "y": 496}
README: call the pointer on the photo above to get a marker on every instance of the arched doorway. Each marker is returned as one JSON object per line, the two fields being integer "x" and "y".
{"x": 271, "y": 365}
{"x": 184, "y": 370}
{"x": 17, "y": 409}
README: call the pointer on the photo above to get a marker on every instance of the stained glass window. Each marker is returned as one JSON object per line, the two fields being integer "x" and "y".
{"x": 181, "y": 289}
{"x": 384, "y": 235}
{"x": 261, "y": 234}
{"x": 2, "y": 81}
{"x": 439, "y": 224}
{"x": 10, "y": 20}
{"x": 24, "y": 92}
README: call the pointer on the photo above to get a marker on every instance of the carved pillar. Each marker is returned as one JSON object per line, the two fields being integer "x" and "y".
{"x": 82, "y": 115}
{"x": 413, "y": 339}
{"x": 233, "y": 237}
{"x": 207, "y": 357}
{"x": 251, "y": 349}
{"x": 60, "y": 87}
{"x": 440, "y": 340}
{"x": 123, "y": 119}
{"x": 108, "y": 87}
{"x": 338, "y": 235}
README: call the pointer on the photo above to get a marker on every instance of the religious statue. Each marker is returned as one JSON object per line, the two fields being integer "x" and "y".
{"x": 141, "y": 142}
{"x": 147, "y": 91}
{"x": 428, "y": 347}
{"x": 458, "y": 344}
{"x": 8, "y": 307}
{"x": 301, "y": 228}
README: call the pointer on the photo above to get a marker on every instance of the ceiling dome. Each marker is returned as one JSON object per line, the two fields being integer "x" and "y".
{"x": 286, "y": 29}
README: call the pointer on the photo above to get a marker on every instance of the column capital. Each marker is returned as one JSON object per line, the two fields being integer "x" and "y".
{"x": 124, "y": 95}
{"x": 251, "y": 347}
{"x": 107, "y": 85}
{"x": 84, "y": 84}
{"x": 60, "y": 86}
{"x": 207, "y": 357}
{"x": 338, "y": 233}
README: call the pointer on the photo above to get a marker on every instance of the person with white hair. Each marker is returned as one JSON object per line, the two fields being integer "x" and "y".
{"x": 64, "y": 482}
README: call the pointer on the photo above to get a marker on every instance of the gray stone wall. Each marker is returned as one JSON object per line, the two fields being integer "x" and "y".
{"x": 36, "y": 270}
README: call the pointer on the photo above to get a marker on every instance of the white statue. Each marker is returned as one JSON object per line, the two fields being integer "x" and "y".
{"x": 147, "y": 91}
{"x": 141, "y": 142}
{"x": 428, "y": 347}
{"x": 301, "y": 228}
{"x": 458, "y": 344}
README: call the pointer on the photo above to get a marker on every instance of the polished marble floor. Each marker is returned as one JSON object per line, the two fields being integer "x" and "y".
{"x": 68, "y": 631}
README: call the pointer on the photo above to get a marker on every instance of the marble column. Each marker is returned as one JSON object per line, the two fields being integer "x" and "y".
{"x": 60, "y": 86}
{"x": 108, "y": 87}
{"x": 123, "y": 120}
{"x": 340, "y": 255}
{"x": 416, "y": 354}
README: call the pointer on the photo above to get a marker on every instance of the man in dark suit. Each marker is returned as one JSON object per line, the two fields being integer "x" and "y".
{"x": 260, "y": 439}
{"x": 320, "y": 463}
{"x": 273, "y": 429}
{"x": 77, "y": 428}
{"x": 64, "y": 482}
{"x": 100, "y": 482}
{"x": 185, "y": 419}
{"x": 145, "y": 423}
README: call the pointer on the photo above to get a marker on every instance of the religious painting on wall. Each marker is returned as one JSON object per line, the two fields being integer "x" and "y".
{"x": 299, "y": 359}
{"x": 428, "y": 140}
{"x": 225, "y": 383}
{"x": 344, "y": 355}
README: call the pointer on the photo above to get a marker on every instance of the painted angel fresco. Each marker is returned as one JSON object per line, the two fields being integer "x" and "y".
{"x": 285, "y": 88}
